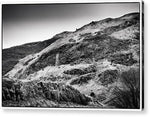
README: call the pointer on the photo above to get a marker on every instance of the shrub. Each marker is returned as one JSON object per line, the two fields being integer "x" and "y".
{"x": 11, "y": 90}
{"x": 74, "y": 72}
{"x": 83, "y": 79}
{"x": 108, "y": 77}
{"x": 83, "y": 71}
{"x": 124, "y": 59}
{"x": 72, "y": 40}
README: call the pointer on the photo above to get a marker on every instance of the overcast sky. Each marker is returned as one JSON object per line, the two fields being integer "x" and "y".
{"x": 31, "y": 23}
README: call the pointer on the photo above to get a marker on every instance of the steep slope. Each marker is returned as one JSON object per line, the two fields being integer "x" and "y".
{"x": 11, "y": 56}
{"x": 89, "y": 60}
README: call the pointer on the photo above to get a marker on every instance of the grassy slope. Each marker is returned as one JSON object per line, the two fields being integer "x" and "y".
{"x": 11, "y": 55}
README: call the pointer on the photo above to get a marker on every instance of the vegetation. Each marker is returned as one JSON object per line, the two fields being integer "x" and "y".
{"x": 19, "y": 92}
{"x": 124, "y": 59}
{"x": 11, "y": 56}
{"x": 108, "y": 77}
{"x": 129, "y": 96}
{"x": 87, "y": 70}
{"x": 83, "y": 79}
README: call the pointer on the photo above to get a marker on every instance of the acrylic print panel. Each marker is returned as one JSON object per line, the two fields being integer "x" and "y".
{"x": 81, "y": 55}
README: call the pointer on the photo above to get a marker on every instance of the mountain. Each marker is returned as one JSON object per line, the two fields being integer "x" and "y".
{"x": 90, "y": 67}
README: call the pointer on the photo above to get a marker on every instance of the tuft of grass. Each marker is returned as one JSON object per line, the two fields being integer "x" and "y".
{"x": 129, "y": 96}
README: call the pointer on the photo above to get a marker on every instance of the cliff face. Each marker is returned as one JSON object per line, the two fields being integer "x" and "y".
{"x": 87, "y": 63}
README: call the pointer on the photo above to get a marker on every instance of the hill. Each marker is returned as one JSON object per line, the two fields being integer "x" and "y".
{"x": 84, "y": 68}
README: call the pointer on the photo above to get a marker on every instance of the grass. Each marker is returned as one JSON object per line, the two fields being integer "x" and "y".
{"x": 30, "y": 94}
{"x": 11, "y": 56}
{"x": 129, "y": 97}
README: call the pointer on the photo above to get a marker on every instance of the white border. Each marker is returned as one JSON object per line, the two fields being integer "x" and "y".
{"x": 74, "y": 1}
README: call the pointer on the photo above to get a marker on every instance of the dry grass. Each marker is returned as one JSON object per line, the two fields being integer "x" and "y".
{"x": 18, "y": 93}
{"x": 129, "y": 97}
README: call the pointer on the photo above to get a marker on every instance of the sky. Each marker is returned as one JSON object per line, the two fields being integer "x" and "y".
{"x": 26, "y": 23}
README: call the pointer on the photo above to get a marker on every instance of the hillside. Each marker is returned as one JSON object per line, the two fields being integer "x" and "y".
{"x": 11, "y": 56}
{"x": 90, "y": 67}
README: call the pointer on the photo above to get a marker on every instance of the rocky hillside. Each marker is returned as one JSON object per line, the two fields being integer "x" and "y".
{"x": 84, "y": 68}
